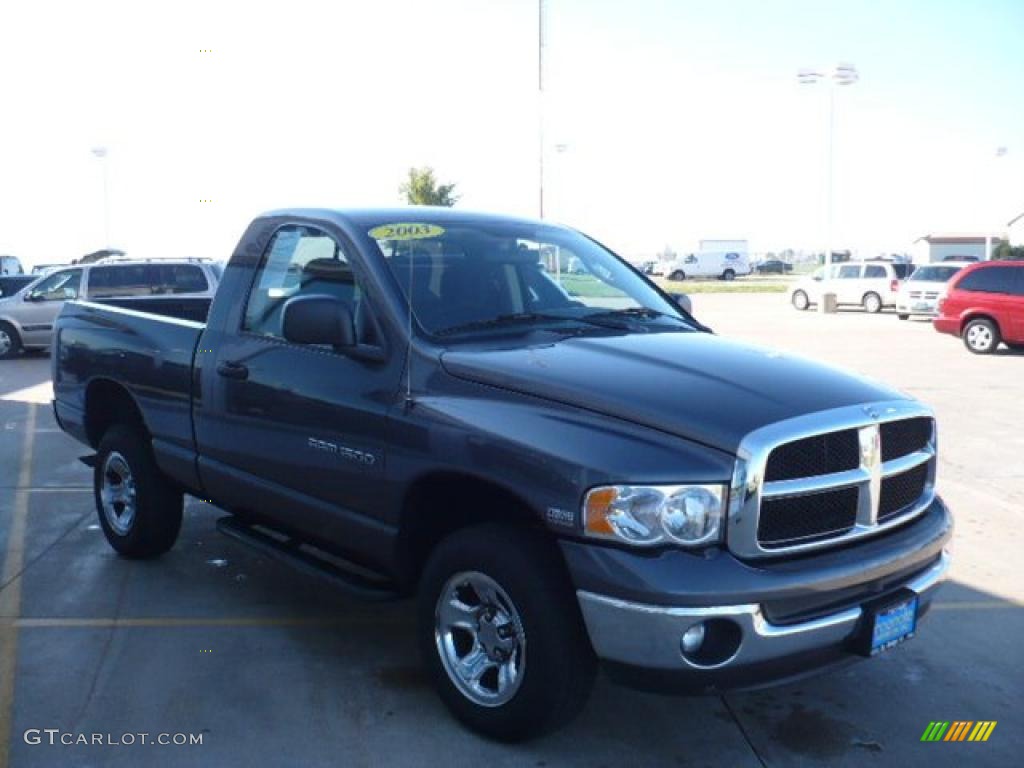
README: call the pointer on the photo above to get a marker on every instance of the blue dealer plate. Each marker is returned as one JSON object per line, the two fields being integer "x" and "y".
{"x": 893, "y": 623}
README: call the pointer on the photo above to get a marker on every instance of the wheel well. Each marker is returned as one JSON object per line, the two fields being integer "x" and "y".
{"x": 442, "y": 503}
{"x": 108, "y": 403}
{"x": 979, "y": 316}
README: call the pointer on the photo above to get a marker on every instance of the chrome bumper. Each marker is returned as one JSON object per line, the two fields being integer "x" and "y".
{"x": 649, "y": 635}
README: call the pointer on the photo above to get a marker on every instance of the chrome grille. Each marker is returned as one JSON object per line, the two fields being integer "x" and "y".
{"x": 815, "y": 455}
{"x": 829, "y": 477}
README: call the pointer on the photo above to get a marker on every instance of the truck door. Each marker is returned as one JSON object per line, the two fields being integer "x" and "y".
{"x": 297, "y": 432}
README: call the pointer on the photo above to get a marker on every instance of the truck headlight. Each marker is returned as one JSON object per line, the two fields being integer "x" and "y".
{"x": 647, "y": 515}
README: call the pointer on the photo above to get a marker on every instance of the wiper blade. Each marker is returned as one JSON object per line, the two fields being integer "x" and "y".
{"x": 648, "y": 313}
{"x": 631, "y": 312}
{"x": 502, "y": 321}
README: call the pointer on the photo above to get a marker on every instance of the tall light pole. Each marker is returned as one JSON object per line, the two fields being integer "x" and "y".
{"x": 540, "y": 105}
{"x": 1000, "y": 152}
{"x": 100, "y": 153}
{"x": 841, "y": 74}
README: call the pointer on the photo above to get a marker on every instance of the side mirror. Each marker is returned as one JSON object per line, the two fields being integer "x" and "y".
{"x": 33, "y": 296}
{"x": 319, "y": 320}
{"x": 682, "y": 301}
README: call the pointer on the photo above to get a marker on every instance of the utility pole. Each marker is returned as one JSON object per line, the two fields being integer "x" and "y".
{"x": 100, "y": 153}
{"x": 540, "y": 105}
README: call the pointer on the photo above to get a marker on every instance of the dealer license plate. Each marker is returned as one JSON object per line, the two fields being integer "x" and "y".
{"x": 892, "y": 624}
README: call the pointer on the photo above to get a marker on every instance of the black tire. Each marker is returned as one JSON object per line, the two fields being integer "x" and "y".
{"x": 800, "y": 300}
{"x": 729, "y": 274}
{"x": 156, "y": 519}
{"x": 558, "y": 663}
{"x": 677, "y": 275}
{"x": 872, "y": 302}
{"x": 11, "y": 341}
{"x": 981, "y": 336}
{"x": 903, "y": 317}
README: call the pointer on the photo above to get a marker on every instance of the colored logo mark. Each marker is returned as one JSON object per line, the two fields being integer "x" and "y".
{"x": 958, "y": 730}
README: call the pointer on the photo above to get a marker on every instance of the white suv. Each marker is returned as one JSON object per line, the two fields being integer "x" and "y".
{"x": 869, "y": 284}
{"x": 178, "y": 287}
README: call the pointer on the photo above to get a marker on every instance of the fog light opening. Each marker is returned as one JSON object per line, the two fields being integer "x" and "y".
{"x": 711, "y": 643}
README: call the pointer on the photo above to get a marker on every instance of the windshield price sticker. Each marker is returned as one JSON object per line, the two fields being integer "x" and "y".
{"x": 406, "y": 231}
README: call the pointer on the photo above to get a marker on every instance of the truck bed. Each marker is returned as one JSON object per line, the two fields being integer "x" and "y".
{"x": 150, "y": 354}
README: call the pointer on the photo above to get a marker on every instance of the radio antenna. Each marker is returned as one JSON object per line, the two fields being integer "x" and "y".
{"x": 408, "y": 352}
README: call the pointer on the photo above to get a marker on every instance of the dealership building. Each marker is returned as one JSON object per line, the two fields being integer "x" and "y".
{"x": 943, "y": 247}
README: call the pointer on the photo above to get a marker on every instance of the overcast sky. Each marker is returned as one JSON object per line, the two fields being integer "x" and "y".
{"x": 679, "y": 119}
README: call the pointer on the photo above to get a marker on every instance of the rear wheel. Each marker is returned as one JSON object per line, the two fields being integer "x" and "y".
{"x": 903, "y": 317}
{"x": 872, "y": 303}
{"x": 981, "y": 336}
{"x": 10, "y": 341}
{"x": 800, "y": 300}
{"x": 501, "y": 634}
{"x": 677, "y": 275}
{"x": 138, "y": 507}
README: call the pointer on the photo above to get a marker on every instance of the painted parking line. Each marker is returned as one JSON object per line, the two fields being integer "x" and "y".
{"x": 165, "y": 622}
{"x": 341, "y": 620}
{"x": 10, "y": 594}
{"x": 975, "y": 605}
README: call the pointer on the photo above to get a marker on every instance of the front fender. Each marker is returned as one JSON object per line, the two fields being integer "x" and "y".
{"x": 549, "y": 454}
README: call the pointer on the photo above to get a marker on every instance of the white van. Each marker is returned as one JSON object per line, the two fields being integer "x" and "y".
{"x": 726, "y": 265}
{"x": 870, "y": 284}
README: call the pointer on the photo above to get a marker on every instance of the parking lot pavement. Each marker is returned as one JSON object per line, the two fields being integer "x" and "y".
{"x": 272, "y": 667}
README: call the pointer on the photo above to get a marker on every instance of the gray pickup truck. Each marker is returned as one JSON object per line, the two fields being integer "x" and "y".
{"x": 563, "y": 466}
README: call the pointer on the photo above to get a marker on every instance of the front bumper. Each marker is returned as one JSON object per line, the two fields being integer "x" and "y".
{"x": 648, "y": 636}
{"x": 787, "y": 619}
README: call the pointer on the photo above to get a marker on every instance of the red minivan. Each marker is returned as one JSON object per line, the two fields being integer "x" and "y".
{"x": 984, "y": 305}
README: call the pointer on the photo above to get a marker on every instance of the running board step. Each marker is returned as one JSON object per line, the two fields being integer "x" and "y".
{"x": 309, "y": 559}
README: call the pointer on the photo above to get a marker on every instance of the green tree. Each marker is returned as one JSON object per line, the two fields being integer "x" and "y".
{"x": 1006, "y": 252}
{"x": 421, "y": 188}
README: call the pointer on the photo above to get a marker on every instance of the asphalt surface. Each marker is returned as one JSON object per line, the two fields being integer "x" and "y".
{"x": 272, "y": 667}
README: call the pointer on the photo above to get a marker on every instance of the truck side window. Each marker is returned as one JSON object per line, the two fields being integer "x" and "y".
{"x": 849, "y": 272}
{"x": 299, "y": 261}
{"x": 874, "y": 270}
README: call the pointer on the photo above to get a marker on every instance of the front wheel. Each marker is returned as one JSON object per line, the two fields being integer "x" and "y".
{"x": 501, "y": 634}
{"x": 139, "y": 509}
{"x": 981, "y": 336}
{"x": 677, "y": 275}
{"x": 872, "y": 303}
{"x": 903, "y": 317}
{"x": 800, "y": 300}
{"x": 729, "y": 275}
{"x": 10, "y": 342}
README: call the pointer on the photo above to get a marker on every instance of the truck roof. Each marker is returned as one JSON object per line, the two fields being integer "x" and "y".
{"x": 359, "y": 217}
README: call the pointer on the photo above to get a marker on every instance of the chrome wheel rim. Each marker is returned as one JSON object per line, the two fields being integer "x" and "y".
{"x": 117, "y": 493}
{"x": 480, "y": 639}
{"x": 5, "y": 342}
{"x": 800, "y": 300}
{"x": 872, "y": 303}
{"x": 979, "y": 337}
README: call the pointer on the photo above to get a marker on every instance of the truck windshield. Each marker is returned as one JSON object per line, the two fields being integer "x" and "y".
{"x": 475, "y": 277}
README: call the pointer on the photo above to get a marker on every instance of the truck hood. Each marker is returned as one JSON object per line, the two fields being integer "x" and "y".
{"x": 695, "y": 385}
